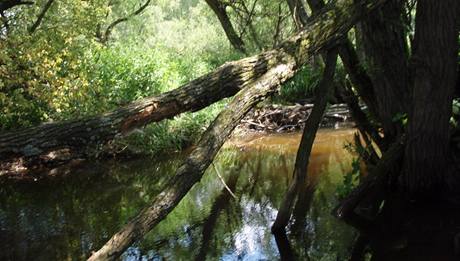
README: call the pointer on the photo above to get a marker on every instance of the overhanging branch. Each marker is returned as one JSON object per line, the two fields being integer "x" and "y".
{"x": 40, "y": 17}
{"x": 104, "y": 37}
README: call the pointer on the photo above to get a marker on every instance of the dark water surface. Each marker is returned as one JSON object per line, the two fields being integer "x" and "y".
{"x": 67, "y": 218}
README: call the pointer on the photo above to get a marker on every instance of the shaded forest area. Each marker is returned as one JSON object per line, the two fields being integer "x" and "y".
{"x": 86, "y": 79}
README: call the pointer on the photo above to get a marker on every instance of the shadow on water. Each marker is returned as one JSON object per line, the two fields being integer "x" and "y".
{"x": 67, "y": 219}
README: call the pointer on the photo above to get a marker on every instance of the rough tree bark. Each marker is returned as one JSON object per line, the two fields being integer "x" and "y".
{"x": 386, "y": 52}
{"x": 191, "y": 171}
{"x": 340, "y": 19}
{"x": 219, "y": 9}
{"x": 360, "y": 80}
{"x": 77, "y": 135}
{"x": 358, "y": 75}
{"x": 306, "y": 143}
{"x": 435, "y": 54}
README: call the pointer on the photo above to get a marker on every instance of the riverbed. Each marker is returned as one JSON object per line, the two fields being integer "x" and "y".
{"x": 66, "y": 218}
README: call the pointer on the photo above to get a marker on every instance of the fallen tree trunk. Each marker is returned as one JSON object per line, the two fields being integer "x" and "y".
{"x": 191, "y": 171}
{"x": 326, "y": 28}
{"x": 306, "y": 143}
{"x": 77, "y": 135}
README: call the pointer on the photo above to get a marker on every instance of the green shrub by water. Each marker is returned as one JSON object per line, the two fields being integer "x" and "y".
{"x": 62, "y": 72}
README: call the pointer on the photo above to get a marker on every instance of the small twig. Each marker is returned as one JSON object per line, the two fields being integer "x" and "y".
{"x": 223, "y": 181}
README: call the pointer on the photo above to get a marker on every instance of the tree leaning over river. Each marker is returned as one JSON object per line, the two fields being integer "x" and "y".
{"x": 298, "y": 48}
{"x": 406, "y": 78}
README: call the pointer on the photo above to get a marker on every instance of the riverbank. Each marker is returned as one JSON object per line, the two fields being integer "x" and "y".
{"x": 68, "y": 217}
{"x": 265, "y": 119}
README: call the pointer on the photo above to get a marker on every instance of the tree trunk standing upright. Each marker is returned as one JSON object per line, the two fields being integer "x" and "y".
{"x": 386, "y": 51}
{"x": 435, "y": 53}
{"x": 219, "y": 9}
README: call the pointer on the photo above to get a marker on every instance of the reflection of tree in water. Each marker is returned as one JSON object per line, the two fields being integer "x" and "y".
{"x": 220, "y": 203}
{"x": 207, "y": 224}
{"x": 60, "y": 218}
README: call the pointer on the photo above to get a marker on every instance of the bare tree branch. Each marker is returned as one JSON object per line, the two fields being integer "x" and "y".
{"x": 103, "y": 38}
{"x": 219, "y": 10}
{"x": 40, "y": 17}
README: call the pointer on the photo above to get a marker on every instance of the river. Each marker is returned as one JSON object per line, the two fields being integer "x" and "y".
{"x": 65, "y": 218}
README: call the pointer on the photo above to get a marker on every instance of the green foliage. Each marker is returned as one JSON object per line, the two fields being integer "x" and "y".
{"x": 301, "y": 86}
{"x": 455, "y": 113}
{"x": 350, "y": 179}
{"x": 63, "y": 72}
{"x": 40, "y": 73}
{"x": 171, "y": 135}
{"x": 400, "y": 118}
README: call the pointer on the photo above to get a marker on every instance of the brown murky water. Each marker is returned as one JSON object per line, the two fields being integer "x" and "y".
{"x": 66, "y": 219}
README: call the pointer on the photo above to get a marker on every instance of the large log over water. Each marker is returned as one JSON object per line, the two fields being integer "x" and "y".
{"x": 191, "y": 171}
{"x": 326, "y": 28}
{"x": 225, "y": 81}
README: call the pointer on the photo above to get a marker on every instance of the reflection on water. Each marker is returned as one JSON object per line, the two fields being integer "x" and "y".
{"x": 66, "y": 219}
